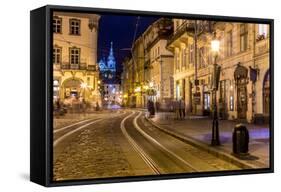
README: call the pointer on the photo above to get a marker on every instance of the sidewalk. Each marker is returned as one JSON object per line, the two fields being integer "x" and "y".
{"x": 196, "y": 130}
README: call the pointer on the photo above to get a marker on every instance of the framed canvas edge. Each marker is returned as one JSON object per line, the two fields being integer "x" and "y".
{"x": 48, "y": 129}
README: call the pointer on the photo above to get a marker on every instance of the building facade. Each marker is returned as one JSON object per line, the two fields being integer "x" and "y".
{"x": 149, "y": 67}
{"x": 159, "y": 62}
{"x": 127, "y": 83}
{"x": 112, "y": 94}
{"x": 244, "y": 59}
{"x": 75, "y": 66}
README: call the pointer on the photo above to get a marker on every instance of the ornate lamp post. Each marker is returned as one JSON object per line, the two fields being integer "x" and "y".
{"x": 215, "y": 46}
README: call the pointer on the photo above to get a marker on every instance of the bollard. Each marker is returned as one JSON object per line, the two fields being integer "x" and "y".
{"x": 240, "y": 140}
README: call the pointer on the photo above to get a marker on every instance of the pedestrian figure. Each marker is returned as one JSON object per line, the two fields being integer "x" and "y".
{"x": 84, "y": 106}
{"x": 182, "y": 109}
{"x": 150, "y": 107}
{"x": 97, "y": 106}
{"x": 177, "y": 109}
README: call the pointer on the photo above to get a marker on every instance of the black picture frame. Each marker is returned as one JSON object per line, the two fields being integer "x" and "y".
{"x": 41, "y": 89}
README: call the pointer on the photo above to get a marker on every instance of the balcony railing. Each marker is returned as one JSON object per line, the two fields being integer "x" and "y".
{"x": 262, "y": 46}
{"x": 185, "y": 27}
{"x": 92, "y": 67}
{"x": 81, "y": 66}
{"x": 188, "y": 27}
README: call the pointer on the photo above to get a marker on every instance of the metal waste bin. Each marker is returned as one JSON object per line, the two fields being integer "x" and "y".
{"x": 240, "y": 139}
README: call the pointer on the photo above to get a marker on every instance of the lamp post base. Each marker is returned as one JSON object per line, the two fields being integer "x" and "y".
{"x": 215, "y": 129}
{"x": 215, "y": 143}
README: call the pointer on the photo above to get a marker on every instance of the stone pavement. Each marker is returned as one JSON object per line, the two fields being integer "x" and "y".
{"x": 197, "y": 130}
{"x": 70, "y": 118}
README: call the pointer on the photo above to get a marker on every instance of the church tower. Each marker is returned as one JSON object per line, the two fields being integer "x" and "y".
{"x": 102, "y": 65}
{"x": 111, "y": 63}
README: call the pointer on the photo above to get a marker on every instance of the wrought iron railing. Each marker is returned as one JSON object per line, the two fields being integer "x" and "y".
{"x": 81, "y": 66}
{"x": 185, "y": 27}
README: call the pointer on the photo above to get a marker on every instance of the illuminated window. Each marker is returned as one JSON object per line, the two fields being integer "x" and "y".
{"x": 231, "y": 103}
{"x": 229, "y": 44}
{"x": 207, "y": 101}
{"x": 74, "y": 27}
{"x": 243, "y": 37}
{"x": 178, "y": 91}
{"x": 191, "y": 53}
{"x": 177, "y": 60}
{"x": 56, "y": 55}
{"x": 183, "y": 55}
{"x": 56, "y": 88}
{"x": 201, "y": 57}
{"x": 262, "y": 30}
{"x": 231, "y": 97}
{"x": 56, "y": 82}
{"x": 57, "y": 22}
{"x": 74, "y": 56}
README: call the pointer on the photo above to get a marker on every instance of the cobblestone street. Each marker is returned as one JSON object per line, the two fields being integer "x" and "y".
{"x": 94, "y": 152}
{"x": 122, "y": 144}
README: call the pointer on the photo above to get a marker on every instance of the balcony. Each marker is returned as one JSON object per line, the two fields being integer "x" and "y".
{"x": 92, "y": 68}
{"x": 81, "y": 66}
{"x": 262, "y": 46}
{"x": 185, "y": 28}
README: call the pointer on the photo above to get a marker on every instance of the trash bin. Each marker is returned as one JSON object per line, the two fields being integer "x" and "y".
{"x": 240, "y": 139}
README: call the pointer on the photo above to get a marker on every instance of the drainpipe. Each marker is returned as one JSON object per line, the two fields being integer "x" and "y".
{"x": 195, "y": 60}
{"x": 254, "y": 83}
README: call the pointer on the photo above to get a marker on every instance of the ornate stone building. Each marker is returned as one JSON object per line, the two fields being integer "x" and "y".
{"x": 244, "y": 59}
{"x": 150, "y": 67}
{"x": 127, "y": 83}
{"x": 75, "y": 67}
{"x": 159, "y": 61}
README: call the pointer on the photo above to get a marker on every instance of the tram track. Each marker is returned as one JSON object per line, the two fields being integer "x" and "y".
{"x": 151, "y": 164}
{"x": 158, "y": 158}
{"x": 62, "y": 133}
{"x": 153, "y": 140}
{"x": 165, "y": 153}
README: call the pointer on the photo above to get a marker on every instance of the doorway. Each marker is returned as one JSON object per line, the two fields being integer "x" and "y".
{"x": 266, "y": 94}
{"x": 241, "y": 79}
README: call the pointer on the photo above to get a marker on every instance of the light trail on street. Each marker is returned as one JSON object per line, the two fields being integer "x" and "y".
{"x": 165, "y": 153}
{"x": 159, "y": 144}
{"x": 137, "y": 148}
{"x": 62, "y": 133}
{"x": 124, "y": 143}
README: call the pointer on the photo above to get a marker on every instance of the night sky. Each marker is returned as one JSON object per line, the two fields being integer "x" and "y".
{"x": 120, "y": 30}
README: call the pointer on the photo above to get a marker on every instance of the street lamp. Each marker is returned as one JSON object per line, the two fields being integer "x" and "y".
{"x": 151, "y": 84}
{"x": 215, "y": 46}
{"x": 138, "y": 89}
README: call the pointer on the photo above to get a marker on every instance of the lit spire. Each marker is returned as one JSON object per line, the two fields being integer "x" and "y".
{"x": 111, "y": 49}
{"x": 111, "y": 63}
